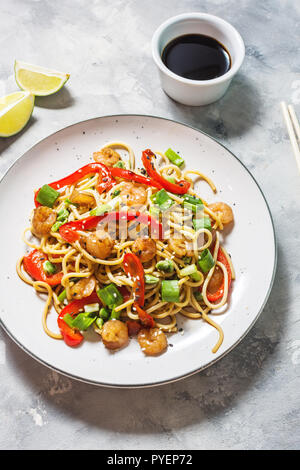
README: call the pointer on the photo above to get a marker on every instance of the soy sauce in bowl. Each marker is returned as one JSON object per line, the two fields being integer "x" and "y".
{"x": 196, "y": 57}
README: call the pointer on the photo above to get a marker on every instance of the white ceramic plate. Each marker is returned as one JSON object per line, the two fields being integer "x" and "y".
{"x": 252, "y": 237}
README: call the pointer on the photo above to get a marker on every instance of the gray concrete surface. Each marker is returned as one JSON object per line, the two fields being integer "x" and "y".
{"x": 250, "y": 399}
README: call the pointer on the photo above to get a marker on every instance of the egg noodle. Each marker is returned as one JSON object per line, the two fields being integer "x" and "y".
{"x": 182, "y": 244}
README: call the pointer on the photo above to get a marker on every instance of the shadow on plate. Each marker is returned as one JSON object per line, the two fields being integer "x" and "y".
{"x": 231, "y": 116}
{"x": 167, "y": 408}
{"x": 61, "y": 99}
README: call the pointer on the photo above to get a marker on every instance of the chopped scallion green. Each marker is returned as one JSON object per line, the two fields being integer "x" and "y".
{"x": 90, "y": 308}
{"x": 116, "y": 193}
{"x": 154, "y": 211}
{"x": 198, "y": 296}
{"x": 171, "y": 179}
{"x": 196, "y": 201}
{"x": 170, "y": 291}
{"x": 47, "y": 196}
{"x": 149, "y": 279}
{"x": 62, "y": 296}
{"x": 162, "y": 199}
{"x": 206, "y": 261}
{"x": 49, "y": 267}
{"x": 165, "y": 265}
{"x": 70, "y": 203}
{"x": 120, "y": 164}
{"x": 188, "y": 271}
{"x": 68, "y": 319}
{"x": 101, "y": 210}
{"x": 99, "y": 323}
{"x": 203, "y": 222}
{"x": 105, "y": 207}
{"x": 174, "y": 157}
{"x": 104, "y": 314}
{"x": 55, "y": 227}
{"x": 63, "y": 215}
{"x": 197, "y": 276}
{"x": 83, "y": 321}
{"x": 114, "y": 315}
{"x": 110, "y": 296}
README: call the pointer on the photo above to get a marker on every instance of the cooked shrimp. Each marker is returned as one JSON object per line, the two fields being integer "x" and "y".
{"x": 98, "y": 244}
{"x": 223, "y": 211}
{"x": 152, "y": 341}
{"x": 107, "y": 156}
{"x": 144, "y": 248}
{"x": 114, "y": 334}
{"x": 83, "y": 288}
{"x": 133, "y": 194}
{"x": 42, "y": 221}
{"x": 85, "y": 201}
{"x": 181, "y": 247}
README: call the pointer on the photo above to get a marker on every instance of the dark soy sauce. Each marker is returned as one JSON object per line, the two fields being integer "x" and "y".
{"x": 196, "y": 57}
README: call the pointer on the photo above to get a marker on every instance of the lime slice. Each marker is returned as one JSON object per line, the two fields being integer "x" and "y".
{"x": 15, "y": 112}
{"x": 38, "y": 80}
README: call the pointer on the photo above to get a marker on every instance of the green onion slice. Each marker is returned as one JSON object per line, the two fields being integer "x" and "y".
{"x": 104, "y": 314}
{"x": 174, "y": 157}
{"x": 170, "y": 291}
{"x": 62, "y": 296}
{"x": 90, "y": 308}
{"x": 83, "y": 321}
{"x": 171, "y": 179}
{"x": 49, "y": 268}
{"x": 115, "y": 315}
{"x": 110, "y": 296}
{"x": 165, "y": 265}
{"x": 197, "y": 276}
{"x": 162, "y": 199}
{"x": 116, "y": 193}
{"x": 47, "y": 196}
{"x": 105, "y": 207}
{"x": 149, "y": 279}
{"x": 154, "y": 211}
{"x": 188, "y": 271}
{"x": 203, "y": 222}
{"x": 68, "y": 319}
{"x": 63, "y": 215}
{"x": 99, "y": 322}
{"x": 119, "y": 164}
{"x": 198, "y": 295}
{"x": 206, "y": 261}
{"x": 55, "y": 227}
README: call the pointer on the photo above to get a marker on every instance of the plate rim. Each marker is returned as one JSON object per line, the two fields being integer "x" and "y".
{"x": 182, "y": 376}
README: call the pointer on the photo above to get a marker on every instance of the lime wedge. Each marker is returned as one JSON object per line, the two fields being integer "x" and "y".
{"x": 15, "y": 112}
{"x": 38, "y": 80}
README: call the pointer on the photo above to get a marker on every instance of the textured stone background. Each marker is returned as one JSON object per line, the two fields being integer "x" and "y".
{"x": 250, "y": 399}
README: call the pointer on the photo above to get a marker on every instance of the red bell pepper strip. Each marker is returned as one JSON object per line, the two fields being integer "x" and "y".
{"x": 134, "y": 269}
{"x": 131, "y": 176}
{"x": 181, "y": 187}
{"x": 33, "y": 265}
{"x": 146, "y": 319}
{"x": 133, "y": 327}
{"x": 124, "y": 292}
{"x": 69, "y": 231}
{"x": 71, "y": 336}
{"x": 106, "y": 181}
{"x": 219, "y": 293}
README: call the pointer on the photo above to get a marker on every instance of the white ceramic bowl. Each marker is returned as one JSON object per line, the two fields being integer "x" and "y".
{"x": 197, "y": 92}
